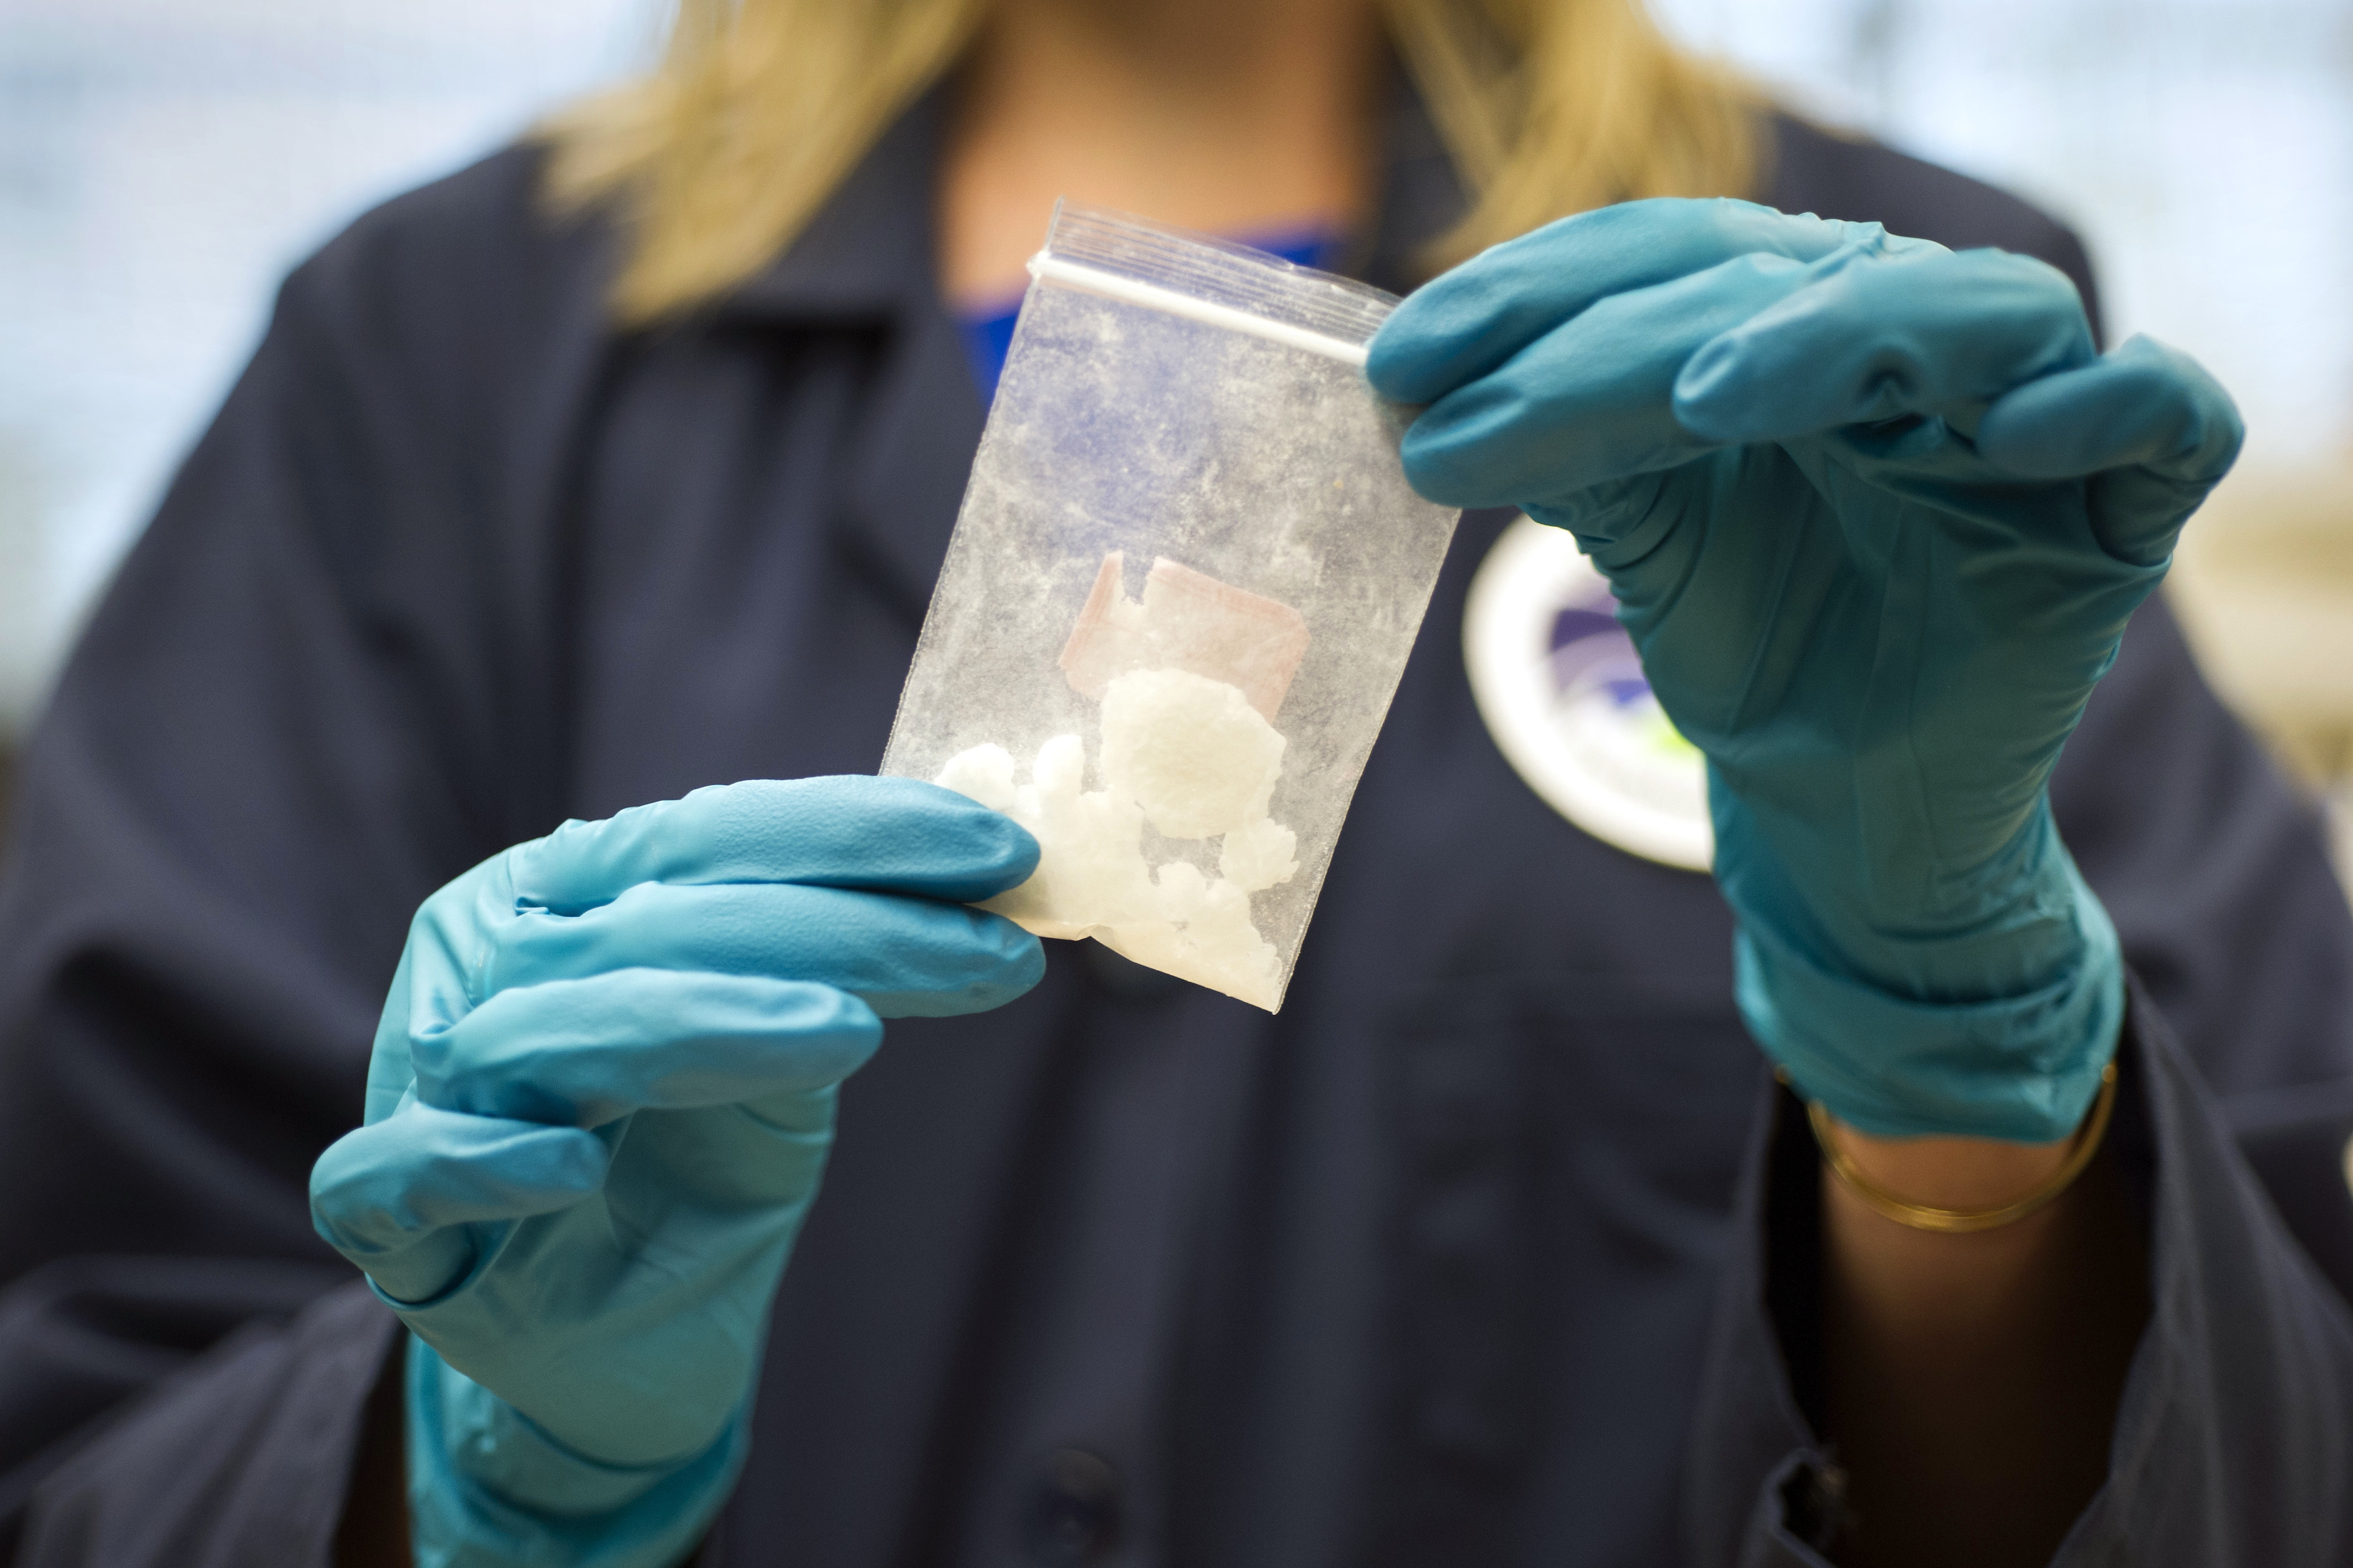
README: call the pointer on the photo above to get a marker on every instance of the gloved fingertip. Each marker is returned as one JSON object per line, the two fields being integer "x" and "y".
{"x": 834, "y": 1033}
{"x": 1007, "y": 963}
{"x": 2016, "y": 442}
{"x": 344, "y": 1178}
{"x": 1016, "y": 854}
{"x": 1712, "y": 399}
{"x": 831, "y": 1009}
{"x": 422, "y": 1273}
{"x": 1463, "y": 451}
{"x": 1021, "y": 962}
{"x": 562, "y": 1164}
{"x": 1401, "y": 363}
{"x": 1433, "y": 467}
{"x": 2143, "y": 404}
{"x": 941, "y": 844}
{"x": 995, "y": 854}
{"x": 407, "y": 1258}
{"x": 381, "y": 1188}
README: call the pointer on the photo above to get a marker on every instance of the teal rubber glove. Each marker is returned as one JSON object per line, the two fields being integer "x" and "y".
{"x": 1875, "y": 514}
{"x": 600, "y": 1101}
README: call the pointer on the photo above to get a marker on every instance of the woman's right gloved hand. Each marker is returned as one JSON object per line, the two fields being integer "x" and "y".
{"x": 599, "y": 1104}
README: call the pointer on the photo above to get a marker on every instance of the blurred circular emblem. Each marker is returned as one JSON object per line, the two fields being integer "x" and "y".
{"x": 1557, "y": 680}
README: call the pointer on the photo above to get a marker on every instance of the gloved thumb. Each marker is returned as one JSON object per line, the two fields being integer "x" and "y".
{"x": 2153, "y": 429}
{"x": 406, "y": 1198}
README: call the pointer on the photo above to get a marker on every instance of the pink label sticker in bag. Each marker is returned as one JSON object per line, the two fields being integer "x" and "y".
{"x": 1186, "y": 620}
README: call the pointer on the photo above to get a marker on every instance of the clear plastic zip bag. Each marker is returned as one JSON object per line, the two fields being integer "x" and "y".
{"x": 1180, "y": 596}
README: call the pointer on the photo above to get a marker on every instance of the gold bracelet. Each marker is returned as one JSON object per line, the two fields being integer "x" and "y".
{"x": 1920, "y": 1216}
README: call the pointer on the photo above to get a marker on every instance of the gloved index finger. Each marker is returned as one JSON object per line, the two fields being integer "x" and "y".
{"x": 1880, "y": 337}
{"x": 885, "y": 834}
{"x": 1466, "y": 322}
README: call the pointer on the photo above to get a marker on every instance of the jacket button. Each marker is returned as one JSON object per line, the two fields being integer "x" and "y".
{"x": 1073, "y": 1517}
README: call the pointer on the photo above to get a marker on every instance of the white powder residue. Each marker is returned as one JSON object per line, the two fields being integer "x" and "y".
{"x": 1191, "y": 757}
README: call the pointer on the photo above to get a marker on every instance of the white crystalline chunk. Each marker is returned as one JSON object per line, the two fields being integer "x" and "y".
{"x": 1257, "y": 856}
{"x": 984, "y": 773}
{"x": 1183, "y": 890}
{"x": 1195, "y": 756}
{"x": 1190, "y": 750}
{"x": 1094, "y": 869}
{"x": 1224, "y": 942}
{"x": 1060, "y": 770}
{"x": 1217, "y": 947}
{"x": 1091, "y": 867}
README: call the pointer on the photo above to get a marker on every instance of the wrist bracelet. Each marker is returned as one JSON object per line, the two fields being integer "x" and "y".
{"x": 1920, "y": 1216}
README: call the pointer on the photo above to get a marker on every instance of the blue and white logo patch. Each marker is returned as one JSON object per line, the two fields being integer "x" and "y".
{"x": 1558, "y": 682}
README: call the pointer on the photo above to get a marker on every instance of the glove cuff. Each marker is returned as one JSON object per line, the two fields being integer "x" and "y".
{"x": 2021, "y": 1068}
{"x": 489, "y": 1488}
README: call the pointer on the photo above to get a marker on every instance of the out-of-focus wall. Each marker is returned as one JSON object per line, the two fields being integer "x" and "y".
{"x": 2264, "y": 583}
{"x": 162, "y": 163}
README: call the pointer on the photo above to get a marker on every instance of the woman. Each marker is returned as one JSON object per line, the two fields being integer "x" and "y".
{"x": 620, "y": 464}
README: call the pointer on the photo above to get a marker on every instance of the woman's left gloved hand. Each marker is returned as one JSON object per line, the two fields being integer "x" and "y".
{"x": 1875, "y": 513}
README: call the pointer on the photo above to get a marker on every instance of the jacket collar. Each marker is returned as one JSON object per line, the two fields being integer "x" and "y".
{"x": 870, "y": 251}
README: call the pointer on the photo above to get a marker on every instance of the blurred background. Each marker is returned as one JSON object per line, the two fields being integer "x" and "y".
{"x": 163, "y": 162}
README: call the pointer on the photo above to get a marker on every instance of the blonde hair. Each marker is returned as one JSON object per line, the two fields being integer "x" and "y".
{"x": 716, "y": 160}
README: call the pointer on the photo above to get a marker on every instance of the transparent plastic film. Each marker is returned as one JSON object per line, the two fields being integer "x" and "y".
{"x": 1180, "y": 596}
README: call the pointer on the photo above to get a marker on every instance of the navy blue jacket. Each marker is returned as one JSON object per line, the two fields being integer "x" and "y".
{"x": 1489, "y": 1249}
